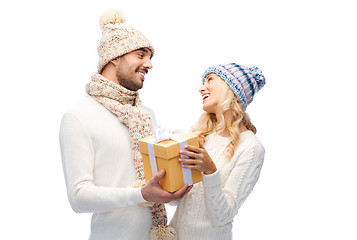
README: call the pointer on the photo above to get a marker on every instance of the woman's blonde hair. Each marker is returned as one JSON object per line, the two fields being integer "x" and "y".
{"x": 207, "y": 123}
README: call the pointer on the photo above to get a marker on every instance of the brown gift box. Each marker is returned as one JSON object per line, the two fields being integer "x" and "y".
{"x": 167, "y": 155}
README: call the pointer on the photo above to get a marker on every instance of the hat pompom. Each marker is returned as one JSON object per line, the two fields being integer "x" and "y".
{"x": 111, "y": 16}
{"x": 258, "y": 76}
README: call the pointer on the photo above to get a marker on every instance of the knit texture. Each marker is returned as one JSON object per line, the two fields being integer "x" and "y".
{"x": 118, "y": 38}
{"x": 99, "y": 172}
{"x": 244, "y": 81}
{"x": 208, "y": 210}
{"x": 127, "y": 106}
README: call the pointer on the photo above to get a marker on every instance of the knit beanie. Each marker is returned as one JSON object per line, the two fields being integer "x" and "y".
{"x": 244, "y": 81}
{"x": 118, "y": 38}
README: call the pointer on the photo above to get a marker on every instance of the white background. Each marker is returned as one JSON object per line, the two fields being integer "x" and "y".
{"x": 305, "y": 114}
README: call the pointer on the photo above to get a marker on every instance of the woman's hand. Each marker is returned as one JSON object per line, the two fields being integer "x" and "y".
{"x": 198, "y": 159}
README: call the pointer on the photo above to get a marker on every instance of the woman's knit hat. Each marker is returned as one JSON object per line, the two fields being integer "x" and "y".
{"x": 244, "y": 81}
{"x": 118, "y": 38}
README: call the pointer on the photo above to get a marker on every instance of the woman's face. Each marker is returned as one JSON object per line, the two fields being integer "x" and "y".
{"x": 211, "y": 92}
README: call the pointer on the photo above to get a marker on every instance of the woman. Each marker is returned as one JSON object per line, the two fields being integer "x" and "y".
{"x": 230, "y": 158}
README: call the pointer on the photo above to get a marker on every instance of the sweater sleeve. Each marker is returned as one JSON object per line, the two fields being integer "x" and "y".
{"x": 78, "y": 164}
{"x": 222, "y": 203}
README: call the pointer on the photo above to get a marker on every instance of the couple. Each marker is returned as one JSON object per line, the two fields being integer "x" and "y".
{"x": 103, "y": 167}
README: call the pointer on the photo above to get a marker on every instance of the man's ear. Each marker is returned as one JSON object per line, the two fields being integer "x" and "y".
{"x": 115, "y": 61}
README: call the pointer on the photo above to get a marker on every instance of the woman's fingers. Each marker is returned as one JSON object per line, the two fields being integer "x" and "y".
{"x": 198, "y": 159}
{"x": 188, "y": 161}
{"x": 193, "y": 149}
{"x": 189, "y": 154}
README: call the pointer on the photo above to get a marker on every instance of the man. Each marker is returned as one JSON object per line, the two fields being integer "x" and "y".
{"x": 99, "y": 142}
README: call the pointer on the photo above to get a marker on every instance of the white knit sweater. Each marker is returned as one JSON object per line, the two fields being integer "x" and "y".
{"x": 207, "y": 211}
{"x": 100, "y": 174}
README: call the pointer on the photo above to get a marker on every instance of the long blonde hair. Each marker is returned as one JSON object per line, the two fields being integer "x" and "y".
{"x": 207, "y": 123}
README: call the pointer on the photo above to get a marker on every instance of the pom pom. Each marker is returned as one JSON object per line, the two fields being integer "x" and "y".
{"x": 163, "y": 233}
{"x": 258, "y": 75}
{"x": 111, "y": 16}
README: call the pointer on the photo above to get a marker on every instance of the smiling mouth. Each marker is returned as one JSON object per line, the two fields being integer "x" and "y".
{"x": 205, "y": 96}
{"x": 142, "y": 73}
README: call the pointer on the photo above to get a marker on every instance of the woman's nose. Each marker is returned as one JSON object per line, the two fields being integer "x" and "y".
{"x": 202, "y": 88}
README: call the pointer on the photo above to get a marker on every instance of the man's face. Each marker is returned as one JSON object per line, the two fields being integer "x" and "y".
{"x": 132, "y": 67}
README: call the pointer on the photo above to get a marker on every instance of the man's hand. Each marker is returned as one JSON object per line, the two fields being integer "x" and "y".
{"x": 152, "y": 191}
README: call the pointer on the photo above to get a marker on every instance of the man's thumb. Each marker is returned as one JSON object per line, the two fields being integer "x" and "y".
{"x": 160, "y": 175}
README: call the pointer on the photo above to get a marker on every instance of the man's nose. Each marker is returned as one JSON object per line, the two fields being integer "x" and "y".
{"x": 147, "y": 64}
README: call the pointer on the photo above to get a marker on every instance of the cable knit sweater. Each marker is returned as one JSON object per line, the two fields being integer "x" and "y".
{"x": 207, "y": 211}
{"x": 100, "y": 174}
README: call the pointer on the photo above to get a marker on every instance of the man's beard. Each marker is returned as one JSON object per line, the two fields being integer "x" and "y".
{"x": 128, "y": 81}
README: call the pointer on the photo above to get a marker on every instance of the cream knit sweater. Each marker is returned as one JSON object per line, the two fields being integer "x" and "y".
{"x": 207, "y": 211}
{"x": 99, "y": 172}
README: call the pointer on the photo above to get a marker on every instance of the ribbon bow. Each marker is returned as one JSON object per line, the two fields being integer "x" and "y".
{"x": 162, "y": 134}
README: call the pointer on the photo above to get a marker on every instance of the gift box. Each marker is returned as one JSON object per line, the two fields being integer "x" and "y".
{"x": 165, "y": 155}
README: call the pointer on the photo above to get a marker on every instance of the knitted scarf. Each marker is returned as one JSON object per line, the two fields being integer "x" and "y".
{"x": 127, "y": 106}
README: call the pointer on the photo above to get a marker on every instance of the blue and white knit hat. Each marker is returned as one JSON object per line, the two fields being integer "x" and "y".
{"x": 244, "y": 81}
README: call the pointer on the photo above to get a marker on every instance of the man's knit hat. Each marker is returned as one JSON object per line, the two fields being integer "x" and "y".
{"x": 244, "y": 81}
{"x": 118, "y": 38}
